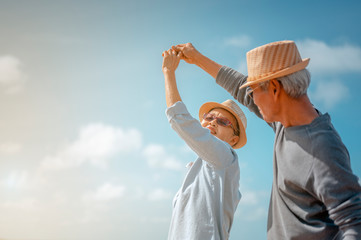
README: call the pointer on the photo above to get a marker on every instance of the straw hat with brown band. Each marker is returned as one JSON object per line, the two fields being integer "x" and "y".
{"x": 272, "y": 61}
{"x": 237, "y": 112}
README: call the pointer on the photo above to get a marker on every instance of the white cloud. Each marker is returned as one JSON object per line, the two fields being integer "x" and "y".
{"x": 330, "y": 59}
{"x": 242, "y": 41}
{"x": 253, "y": 197}
{"x": 186, "y": 149}
{"x": 157, "y": 157}
{"x": 253, "y": 205}
{"x": 106, "y": 192}
{"x": 155, "y": 219}
{"x": 96, "y": 144}
{"x": 249, "y": 198}
{"x": 12, "y": 79}
{"x": 159, "y": 194}
{"x": 20, "y": 205}
{"x": 329, "y": 93}
{"x": 10, "y": 148}
{"x": 98, "y": 202}
{"x": 138, "y": 192}
{"x": 257, "y": 214}
{"x": 16, "y": 179}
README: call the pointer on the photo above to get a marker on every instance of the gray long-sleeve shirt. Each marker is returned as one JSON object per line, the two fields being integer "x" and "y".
{"x": 315, "y": 195}
{"x": 204, "y": 206}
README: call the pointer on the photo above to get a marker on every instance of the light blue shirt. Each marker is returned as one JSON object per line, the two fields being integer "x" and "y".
{"x": 204, "y": 206}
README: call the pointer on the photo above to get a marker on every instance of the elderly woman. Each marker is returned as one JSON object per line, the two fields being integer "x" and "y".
{"x": 205, "y": 204}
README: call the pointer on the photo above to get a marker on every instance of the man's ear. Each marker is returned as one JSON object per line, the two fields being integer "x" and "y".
{"x": 275, "y": 88}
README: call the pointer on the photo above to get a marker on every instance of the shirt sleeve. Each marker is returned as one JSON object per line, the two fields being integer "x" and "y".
{"x": 208, "y": 147}
{"x": 337, "y": 187}
{"x": 231, "y": 81}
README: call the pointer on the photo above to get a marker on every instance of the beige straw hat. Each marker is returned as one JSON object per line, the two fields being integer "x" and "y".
{"x": 272, "y": 61}
{"x": 237, "y": 112}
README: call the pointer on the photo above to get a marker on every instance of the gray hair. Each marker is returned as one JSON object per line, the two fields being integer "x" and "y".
{"x": 295, "y": 84}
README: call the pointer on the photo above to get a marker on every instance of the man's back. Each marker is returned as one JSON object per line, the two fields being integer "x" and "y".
{"x": 314, "y": 192}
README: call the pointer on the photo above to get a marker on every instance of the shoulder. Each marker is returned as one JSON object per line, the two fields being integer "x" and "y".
{"x": 331, "y": 160}
{"x": 222, "y": 158}
{"x": 325, "y": 140}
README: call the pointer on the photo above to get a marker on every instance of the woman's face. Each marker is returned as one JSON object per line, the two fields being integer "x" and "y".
{"x": 225, "y": 133}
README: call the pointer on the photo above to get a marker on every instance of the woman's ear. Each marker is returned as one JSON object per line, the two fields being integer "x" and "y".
{"x": 234, "y": 140}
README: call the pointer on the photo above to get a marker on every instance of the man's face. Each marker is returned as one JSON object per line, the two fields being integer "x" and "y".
{"x": 263, "y": 98}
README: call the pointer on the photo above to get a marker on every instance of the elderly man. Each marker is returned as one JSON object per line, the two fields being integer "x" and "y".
{"x": 315, "y": 195}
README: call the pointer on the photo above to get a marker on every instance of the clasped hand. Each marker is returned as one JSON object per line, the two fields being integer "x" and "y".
{"x": 171, "y": 60}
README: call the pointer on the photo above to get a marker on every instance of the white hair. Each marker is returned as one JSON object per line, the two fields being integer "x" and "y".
{"x": 295, "y": 84}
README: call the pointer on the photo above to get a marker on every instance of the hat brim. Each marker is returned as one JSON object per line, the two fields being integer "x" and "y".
{"x": 206, "y": 107}
{"x": 286, "y": 71}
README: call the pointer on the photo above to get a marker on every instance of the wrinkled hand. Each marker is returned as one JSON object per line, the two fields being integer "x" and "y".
{"x": 188, "y": 50}
{"x": 171, "y": 59}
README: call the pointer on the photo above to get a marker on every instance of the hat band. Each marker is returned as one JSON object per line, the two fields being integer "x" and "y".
{"x": 269, "y": 76}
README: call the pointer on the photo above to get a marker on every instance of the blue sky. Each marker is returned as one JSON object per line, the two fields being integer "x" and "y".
{"x": 86, "y": 151}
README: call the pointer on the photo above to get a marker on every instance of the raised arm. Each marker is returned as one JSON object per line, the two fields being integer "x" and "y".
{"x": 199, "y": 139}
{"x": 192, "y": 56}
{"x": 228, "y": 78}
{"x": 170, "y": 63}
